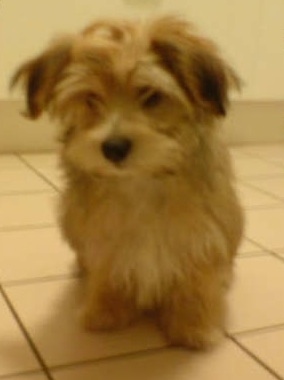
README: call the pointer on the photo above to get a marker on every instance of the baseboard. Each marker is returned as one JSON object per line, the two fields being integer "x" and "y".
{"x": 248, "y": 122}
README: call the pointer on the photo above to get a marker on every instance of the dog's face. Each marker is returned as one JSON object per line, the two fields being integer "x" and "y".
{"x": 130, "y": 97}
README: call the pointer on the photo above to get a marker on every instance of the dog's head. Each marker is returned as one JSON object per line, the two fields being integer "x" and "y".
{"x": 130, "y": 96}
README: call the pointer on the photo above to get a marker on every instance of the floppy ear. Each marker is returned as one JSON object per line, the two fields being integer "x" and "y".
{"x": 196, "y": 64}
{"x": 39, "y": 77}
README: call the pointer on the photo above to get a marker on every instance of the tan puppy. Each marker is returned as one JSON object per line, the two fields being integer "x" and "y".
{"x": 148, "y": 204}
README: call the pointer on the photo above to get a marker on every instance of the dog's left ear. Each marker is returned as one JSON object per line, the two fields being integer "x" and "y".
{"x": 39, "y": 76}
{"x": 195, "y": 63}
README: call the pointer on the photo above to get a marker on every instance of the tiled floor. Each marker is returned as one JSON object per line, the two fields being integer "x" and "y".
{"x": 40, "y": 335}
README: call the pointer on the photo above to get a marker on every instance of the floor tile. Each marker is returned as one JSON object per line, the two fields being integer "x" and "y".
{"x": 224, "y": 363}
{"x": 256, "y": 297}
{"x": 47, "y": 165}
{"x": 279, "y": 252}
{"x": 27, "y": 376}
{"x": 248, "y": 247}
{"x": 55, "y": 328}
{"x": 53, "y": 175}
{"x": 15, "y": 354}
{"x": 266, "y": 227}
{"x": 249, "y": 167}
{"x": 41, "y": 160}
{"x": 34, "y": 253}
{"x": 268, "y": 346}
{"x": 251, "y": 198}
{"x": 27, "y": 210}
{"x": 20, "y": 181}
{"x": 270, "y": 152}
{"x": 274, "y": 186}
{"x": 9, "y": 161}
{"x": 236, "y": 152}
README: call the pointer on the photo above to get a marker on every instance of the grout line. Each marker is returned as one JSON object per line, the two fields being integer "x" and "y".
{"x": 20, "y": 374}
{"x": 255, "y": 358}
{"x": 277, "y": 256}
{"x": 259, "y": 245}
{"x": 245, "y": 177}
{"x": 251, "y": 154}
{"x": 26, "y": 192}
{"x": 266, "y": 252}
{"x": 249, "y": 255}
{"x": 248, "y": 186}
{"x": 279, "y": 206}
{"x": 128, "y": 355}
{"x": 259, "y": 330}
{"x": 271, "y": 251}
{"x": 263, "y": 158}
{"x": 38, "y": 280}
{"x": 27, "y": 227}
{"x": 26, "y": 334}
{"x": 38, "y": 173}
{"x": 264, "y": 207}
{"x": 254, "y": 187}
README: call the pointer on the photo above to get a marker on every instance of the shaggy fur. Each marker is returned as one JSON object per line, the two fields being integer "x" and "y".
{"x": 155, "y": 222}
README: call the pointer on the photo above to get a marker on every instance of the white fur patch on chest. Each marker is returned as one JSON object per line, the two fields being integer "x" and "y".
{"x": 148, "y": 266}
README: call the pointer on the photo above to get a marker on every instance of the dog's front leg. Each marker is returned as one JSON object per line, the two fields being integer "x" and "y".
{"x": 194, "y": 311}
{"x": 106, "y": 307}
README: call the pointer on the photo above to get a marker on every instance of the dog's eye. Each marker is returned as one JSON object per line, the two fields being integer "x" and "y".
{"x": 92, "y": 100}
{"x": 151, "y": 98}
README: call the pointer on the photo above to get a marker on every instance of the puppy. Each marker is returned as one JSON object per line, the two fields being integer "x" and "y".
{"x": 148, "y": 205}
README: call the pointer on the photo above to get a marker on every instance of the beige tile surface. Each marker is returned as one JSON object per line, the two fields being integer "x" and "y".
{"x": 268, "y": 346}
{"x": 266, "y": 226}
{"x": 19, "y": 211}
{"x": 41, "y": 160}
{"x": 247, "y": 247}
{"x": 251, "y": 198}
{"x": 250, "y": 167}
{"x": 256, "y": 298}
{"x": 11, "y": 162}
{"x": 47, "y": 164}
{"x": 270, "y": 152}
{"x": 274, "y": 186}
{"x": 15, "y": 354}
{"x": 53, "y": 175}
{"x": 21, "y": 181}
{"x": 34, "y": 253}
{"x": 227, "y": 362}
{"x": 55, "y": 327}
{"x": 279, "y": 252}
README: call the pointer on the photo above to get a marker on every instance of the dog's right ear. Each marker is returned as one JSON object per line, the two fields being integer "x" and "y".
{"x": 40, "y": 75}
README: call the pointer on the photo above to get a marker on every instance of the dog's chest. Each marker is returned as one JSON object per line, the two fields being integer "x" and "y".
{"x": 141, "y": 231}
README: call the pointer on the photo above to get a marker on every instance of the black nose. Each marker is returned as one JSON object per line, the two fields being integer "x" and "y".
{"x": 116, "y": 149}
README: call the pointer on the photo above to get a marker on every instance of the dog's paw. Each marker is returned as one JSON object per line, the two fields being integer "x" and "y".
{"x": 95, "y": 320}
{"x": 202, "y": 340}
{"x": 196, "y": 339}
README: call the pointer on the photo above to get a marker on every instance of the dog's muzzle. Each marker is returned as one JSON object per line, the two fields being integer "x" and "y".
{"x": 116, "y": 149}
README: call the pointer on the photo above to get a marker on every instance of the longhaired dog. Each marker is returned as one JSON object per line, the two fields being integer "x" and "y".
{"x": 149, "y": 205}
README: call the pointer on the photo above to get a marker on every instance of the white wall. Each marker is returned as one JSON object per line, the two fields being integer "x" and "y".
{"x": 250, "y": 32}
